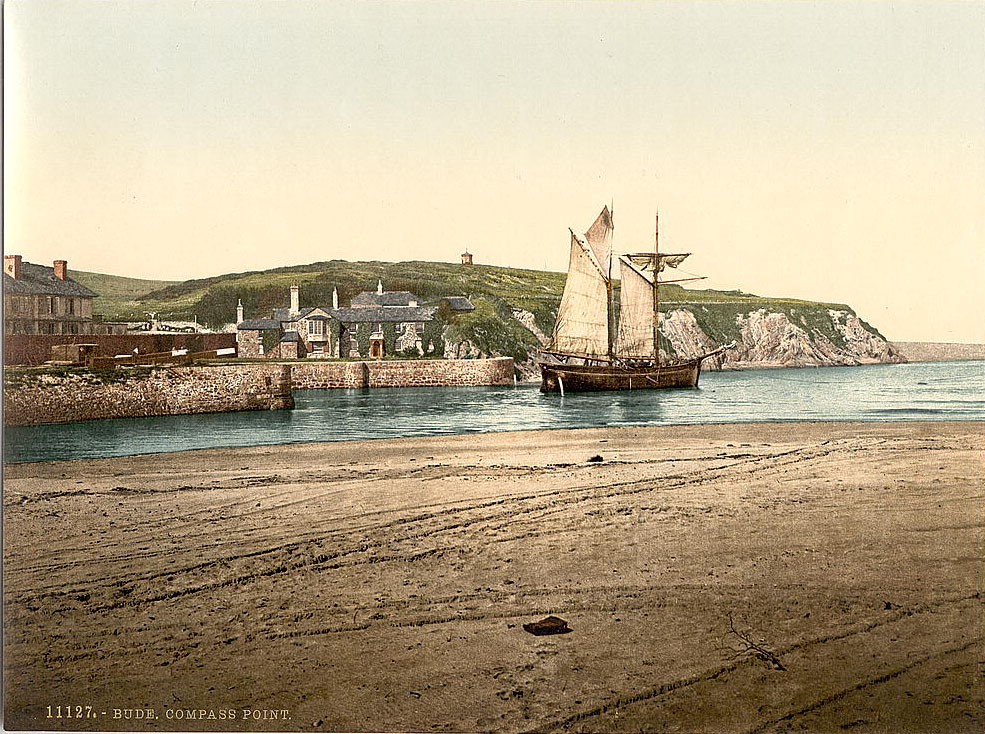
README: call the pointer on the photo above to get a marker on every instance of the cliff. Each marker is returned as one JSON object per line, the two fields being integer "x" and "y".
{"x": 773, "y": 339}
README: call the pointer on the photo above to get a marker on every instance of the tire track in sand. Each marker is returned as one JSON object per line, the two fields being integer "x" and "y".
{"x": 550, "y": 499}
{"x": 707, "y": 676}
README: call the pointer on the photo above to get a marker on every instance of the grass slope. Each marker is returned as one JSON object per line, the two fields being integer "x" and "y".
{"x": 117, "y": 298}
{"x": 214, "y": 300}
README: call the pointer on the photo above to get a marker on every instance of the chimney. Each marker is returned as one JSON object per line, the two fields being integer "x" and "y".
{"x": 379, "y": 286}
{"x": 239, "y": 312}
{"x": 61, "y": 269}
{"x": 335, "y": 297}
{"x": 12, "y": 266}
{"x": 295, "y": 301}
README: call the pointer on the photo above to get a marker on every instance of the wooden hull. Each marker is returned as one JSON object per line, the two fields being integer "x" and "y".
{"x": 592, "y": 378}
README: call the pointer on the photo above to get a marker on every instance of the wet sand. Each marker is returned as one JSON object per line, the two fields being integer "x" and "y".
{"x": 734, "y": 578}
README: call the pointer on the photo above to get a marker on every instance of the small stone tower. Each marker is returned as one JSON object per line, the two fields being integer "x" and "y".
{"x": 466, "y": 258}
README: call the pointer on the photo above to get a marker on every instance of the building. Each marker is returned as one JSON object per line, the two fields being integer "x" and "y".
{"x": 457, "y": 304}
{"x": 466, "y": 258}
{"x": 42, "y": 300}
{"x": 374, "y": 325}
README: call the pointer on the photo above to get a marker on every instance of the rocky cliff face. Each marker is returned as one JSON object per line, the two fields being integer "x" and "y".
{"x": 770, "y": 339}
{"x": 763, "y": 338}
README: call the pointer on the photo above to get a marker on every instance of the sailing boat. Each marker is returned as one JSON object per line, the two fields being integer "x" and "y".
{"x": 586, "y": 353}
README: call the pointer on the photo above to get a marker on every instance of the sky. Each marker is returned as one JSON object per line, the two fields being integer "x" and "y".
{"x": 830, "y": 151}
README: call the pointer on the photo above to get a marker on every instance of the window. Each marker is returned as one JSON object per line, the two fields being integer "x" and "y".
{"x": 71, "y": 305}
{"x": 316, "y": 327}
{"x": 50, "y": 305}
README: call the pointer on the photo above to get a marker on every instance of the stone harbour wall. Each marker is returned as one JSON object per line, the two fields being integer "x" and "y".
{"x": 316, "y": 374}
{"x": 34, "y": 397}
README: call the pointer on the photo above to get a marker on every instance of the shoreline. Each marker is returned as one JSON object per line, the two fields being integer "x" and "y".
{"x": 383, "y": 585}
{"x": 381, "y": 442}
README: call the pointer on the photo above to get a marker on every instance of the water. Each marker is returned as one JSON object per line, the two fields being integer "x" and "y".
{"x": 910, "y": 392}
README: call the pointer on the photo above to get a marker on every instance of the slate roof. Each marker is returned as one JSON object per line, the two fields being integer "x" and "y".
{"x": 40, "y": 279}
{"x": 387, "y": 298}
{"x": 459, "y": 303}
{"x": 284, "y": 314}
{"x": 259, "y": 325}
{"x": 355, "y": 315}
{"x": 290, "y": 336}
{"x": 380, "y": 314}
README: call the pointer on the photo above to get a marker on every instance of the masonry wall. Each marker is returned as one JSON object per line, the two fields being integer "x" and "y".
{"x": 35, "y": 349}
{"x": 248, "y": 344}
{"x": 402, "y": 373}
{"x": 32, "y": 397}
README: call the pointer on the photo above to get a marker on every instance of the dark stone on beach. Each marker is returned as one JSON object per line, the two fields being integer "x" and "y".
{"x": 548, "y": 626}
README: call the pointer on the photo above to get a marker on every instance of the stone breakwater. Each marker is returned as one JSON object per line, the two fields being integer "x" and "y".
{"x": 34, "y": 397}
{"x": 31, "y": 398}
{"x": 402, "y": 373}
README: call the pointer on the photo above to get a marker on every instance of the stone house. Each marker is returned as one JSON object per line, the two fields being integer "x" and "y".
{"x": 42, "y": 300}
{"x": 363, "y": 329}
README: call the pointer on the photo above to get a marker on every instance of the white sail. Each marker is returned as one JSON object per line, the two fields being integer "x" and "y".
{"x": 582, "y": 318}
{"x": 599, "y": 238}
{"x": 635, "y": 312}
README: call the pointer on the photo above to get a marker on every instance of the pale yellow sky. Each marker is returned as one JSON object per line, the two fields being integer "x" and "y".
{"x": 829, "y": 151}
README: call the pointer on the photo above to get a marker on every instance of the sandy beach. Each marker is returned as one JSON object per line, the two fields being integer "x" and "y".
{"x": 716, "y": 578}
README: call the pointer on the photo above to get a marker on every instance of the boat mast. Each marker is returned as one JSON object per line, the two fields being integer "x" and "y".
{"x": 656, "y": 290}
{"x": 610, "y": 301}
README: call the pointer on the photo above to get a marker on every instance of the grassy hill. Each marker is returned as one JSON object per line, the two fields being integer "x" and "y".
{"x": 214, "y": 300}
{"x": 118, "y": 296}
{"x": 496, "y": 290}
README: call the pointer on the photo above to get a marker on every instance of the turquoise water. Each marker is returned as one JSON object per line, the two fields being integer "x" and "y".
{"x": 910, "y": 392}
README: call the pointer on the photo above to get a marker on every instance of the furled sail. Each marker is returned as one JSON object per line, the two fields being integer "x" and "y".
{"x": 635, "y": 311}
{"x": 582, "y": 318}
{"x": 650, "y": 261}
